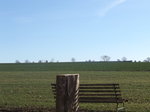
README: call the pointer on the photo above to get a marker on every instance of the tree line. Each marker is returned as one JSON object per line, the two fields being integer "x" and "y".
{"x": 104, "y": 58}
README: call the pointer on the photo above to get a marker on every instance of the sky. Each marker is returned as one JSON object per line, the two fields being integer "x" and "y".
{"x": 82, "y": 29}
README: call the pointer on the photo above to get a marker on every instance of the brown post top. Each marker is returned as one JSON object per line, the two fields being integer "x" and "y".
{"x": 67, "y": 75}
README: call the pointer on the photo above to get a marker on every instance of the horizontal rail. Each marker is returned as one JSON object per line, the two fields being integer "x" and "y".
{"x": 118, "y": 99}
{"x": 100, "y": 91}
{"x": 99, "y": 94}
{"x": 99, "y": 84}
{"x": 53, "y": 84}
{"x": 113, "y": 101}
{"x": 99, "y": 88}
{"x": 100, "y": 98}
{"x": 109, "y": 91}
{"x": 53, "y": 87}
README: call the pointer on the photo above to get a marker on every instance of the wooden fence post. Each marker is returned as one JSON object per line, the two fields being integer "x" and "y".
{"x": 67, "y": 89}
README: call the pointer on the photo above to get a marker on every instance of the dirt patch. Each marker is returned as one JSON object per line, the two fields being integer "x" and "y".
{"x": 40, "y": 110}
{"x": 26, "y": 109}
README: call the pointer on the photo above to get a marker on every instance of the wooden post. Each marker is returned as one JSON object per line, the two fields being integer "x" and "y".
{"x": 67, "y": 89}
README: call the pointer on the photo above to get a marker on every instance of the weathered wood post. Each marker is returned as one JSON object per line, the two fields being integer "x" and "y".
{"x": 67, "y": 89}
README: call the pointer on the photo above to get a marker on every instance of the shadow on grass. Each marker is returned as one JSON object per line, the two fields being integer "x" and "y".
{"x": 32, "y": 109}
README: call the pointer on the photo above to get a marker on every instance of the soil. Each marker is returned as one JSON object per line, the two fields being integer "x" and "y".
{"x": 40, "y": 110}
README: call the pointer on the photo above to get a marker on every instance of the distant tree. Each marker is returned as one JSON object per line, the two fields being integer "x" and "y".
{"x": 105, "y": 58}
{"x": 46, "y": 61}
{"x": 17, "y": 61}
{"x": 124, "y": 59}
{"x": 89, "y": 60}
{"x": 52, "y": 60}
{"x": 147, "y": 59}
{"x": 73, "y": 60}
{"x": 40, "y": 61}
{"x": 118, "y": 59}
{"x": 27, "y": 61}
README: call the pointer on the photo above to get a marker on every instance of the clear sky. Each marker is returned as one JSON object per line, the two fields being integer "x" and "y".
{"x": 84, "y": 29}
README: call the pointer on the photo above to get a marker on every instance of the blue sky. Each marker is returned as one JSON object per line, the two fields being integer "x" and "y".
{"x": 84, "y": 29}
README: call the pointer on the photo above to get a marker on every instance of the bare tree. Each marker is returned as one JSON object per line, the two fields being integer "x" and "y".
{"x": 105, "y": 58}
{"x": 124, "y": 59}
{"x": 52, "y": 60}
{"x": 27, "y": 61}
{"x": 89, "y": 60}
{"x": 147, "y": 59}
{"x": 17, "y": 61}
{"x": 40, "y": 61}
{"x": 118, "y": 60}
{"x": 46, "y": 61}
{"x": 73, "y": 60}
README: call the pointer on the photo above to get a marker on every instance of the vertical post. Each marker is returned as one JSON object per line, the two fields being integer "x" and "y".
{"x": 67, "y": 88}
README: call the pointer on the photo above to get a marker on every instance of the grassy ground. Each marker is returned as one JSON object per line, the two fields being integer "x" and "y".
{"x": 32, "y": 89}
{"x": 77, "y": 66}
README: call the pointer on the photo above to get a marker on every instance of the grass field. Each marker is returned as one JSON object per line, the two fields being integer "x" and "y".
{"x": 32, "y": 88}
{"x": 77, "y": 66}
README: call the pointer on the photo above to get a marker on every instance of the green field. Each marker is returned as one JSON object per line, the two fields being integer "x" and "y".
{"x": 77, "y": 66}
{"x": 27, "y": 88}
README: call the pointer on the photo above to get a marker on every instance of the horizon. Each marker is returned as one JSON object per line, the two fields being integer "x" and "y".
{"x": 85, "y": 30}
{"x": 83, "y": 61}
